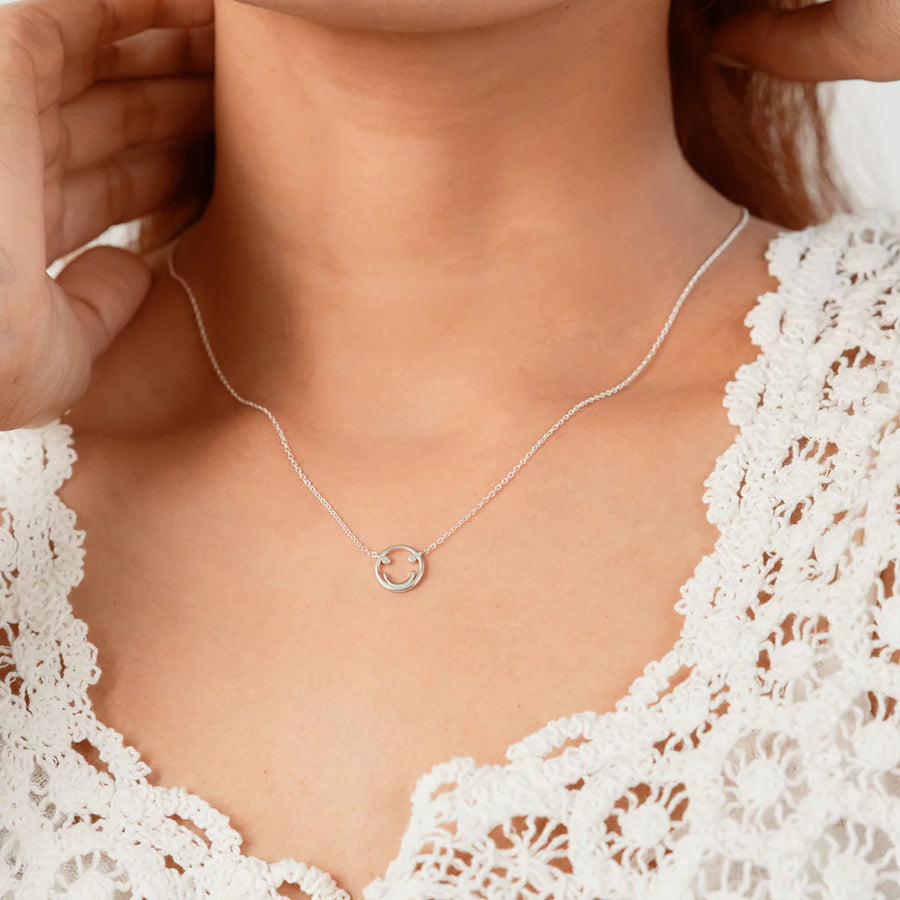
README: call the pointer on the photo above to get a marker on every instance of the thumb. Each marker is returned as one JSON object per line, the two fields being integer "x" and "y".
{"x": 104, "y": 287}
{"x": 814, "y": 43}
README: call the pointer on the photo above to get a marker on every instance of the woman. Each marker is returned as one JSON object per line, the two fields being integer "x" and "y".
{"x": 434, "y": 228}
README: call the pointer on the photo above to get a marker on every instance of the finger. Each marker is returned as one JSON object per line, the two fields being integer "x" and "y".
{"x": 159, "y": 228}
{"x": 170, "y": 51}
{"x": 164, "y": 224}
{"x": 45, "y": 360}
{"x": 62, "y": 37}
{"x": 111, "y": 117}
{"x": 105, "y": 286}
{"x": 119, "y": 190}
{"x": 72, "y": 321}
{"x": 21, "y": 170}
{"x": 808, "y": 44}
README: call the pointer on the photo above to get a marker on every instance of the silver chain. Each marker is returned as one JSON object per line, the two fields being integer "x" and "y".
{"x": 513, "y": 471}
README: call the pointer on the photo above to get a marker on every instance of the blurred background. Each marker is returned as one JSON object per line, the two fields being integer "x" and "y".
{"x": 865, "y": 130}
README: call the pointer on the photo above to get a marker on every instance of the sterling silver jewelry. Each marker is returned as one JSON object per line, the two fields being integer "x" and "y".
{"x": 417, "y": 557}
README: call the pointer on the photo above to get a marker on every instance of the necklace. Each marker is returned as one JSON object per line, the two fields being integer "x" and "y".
{"x": 417, "y": 557}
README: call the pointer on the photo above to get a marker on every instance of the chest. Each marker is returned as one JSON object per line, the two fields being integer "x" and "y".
{"x": 250, "y": 656}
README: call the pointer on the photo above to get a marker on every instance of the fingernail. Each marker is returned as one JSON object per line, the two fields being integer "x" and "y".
{"x": 728, "y": 62}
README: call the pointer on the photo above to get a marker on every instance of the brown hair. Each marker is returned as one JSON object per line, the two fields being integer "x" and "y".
{"x": 759, "y": 141}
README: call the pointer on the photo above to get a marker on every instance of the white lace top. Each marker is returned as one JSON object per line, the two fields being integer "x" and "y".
{"x": 760, "y": 758}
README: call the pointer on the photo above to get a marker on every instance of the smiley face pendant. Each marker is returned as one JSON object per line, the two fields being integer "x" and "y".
{"x": 384, "y": 559}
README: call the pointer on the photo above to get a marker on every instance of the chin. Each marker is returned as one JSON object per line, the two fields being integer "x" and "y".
{"x": 406, "y": 15}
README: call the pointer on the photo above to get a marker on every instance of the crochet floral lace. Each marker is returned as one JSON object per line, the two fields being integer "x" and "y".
{"x": 759, "y": 758}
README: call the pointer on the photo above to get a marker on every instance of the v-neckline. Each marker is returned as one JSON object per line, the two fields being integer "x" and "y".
{"x": 651, "y": 688}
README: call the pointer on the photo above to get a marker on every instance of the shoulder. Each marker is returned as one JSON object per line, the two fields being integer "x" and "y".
{"x": 849, "y": 246}
{"x": 35, "y": 459}
{"x": 829, "y": 333}
{"x": 837, "y": 280}
{"x": 41, "y": 551}
{"x": 34, "y": 463}
{"x": 819, "y": 409}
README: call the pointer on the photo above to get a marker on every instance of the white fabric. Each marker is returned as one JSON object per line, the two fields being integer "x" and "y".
{"x": 770, "y": 770}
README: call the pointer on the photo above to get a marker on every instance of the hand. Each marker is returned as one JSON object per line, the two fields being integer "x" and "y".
{"x": 97, "y": 115}
{"x": 824, "y": 42}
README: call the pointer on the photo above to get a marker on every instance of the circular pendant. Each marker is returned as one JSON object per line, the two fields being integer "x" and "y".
{"x": 384, "y": 559}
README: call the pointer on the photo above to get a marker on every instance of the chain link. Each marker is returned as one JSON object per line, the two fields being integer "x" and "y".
{"x": 505, "y": 480}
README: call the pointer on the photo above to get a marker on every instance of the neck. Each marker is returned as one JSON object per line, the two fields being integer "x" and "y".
{"x": 443, "y": 213}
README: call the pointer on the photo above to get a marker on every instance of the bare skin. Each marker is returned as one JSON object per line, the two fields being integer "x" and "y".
{"x": 509, "y": 206}
{"x": 247, "y": 651}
